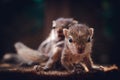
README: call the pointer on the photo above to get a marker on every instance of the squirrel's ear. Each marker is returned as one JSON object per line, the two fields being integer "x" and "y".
{"x": 65, "y": 32}
{"x": 53, "y": 23}
{"x": 91, "y": 30}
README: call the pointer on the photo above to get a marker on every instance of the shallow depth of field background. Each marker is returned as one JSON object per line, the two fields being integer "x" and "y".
{"x": 29, "y": 21}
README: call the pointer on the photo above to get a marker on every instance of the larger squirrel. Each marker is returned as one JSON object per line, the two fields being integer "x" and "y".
{"x": 53, "y": 45}
{"x": 48, "y": 50}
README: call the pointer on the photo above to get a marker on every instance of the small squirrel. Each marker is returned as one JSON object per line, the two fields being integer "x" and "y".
{"x": 53, "y": 45}
{"x": 78, "y": 47}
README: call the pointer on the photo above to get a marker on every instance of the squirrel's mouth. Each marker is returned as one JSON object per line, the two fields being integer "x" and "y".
{"x": 81, "y": 50}
{"x": 61, "y": 36}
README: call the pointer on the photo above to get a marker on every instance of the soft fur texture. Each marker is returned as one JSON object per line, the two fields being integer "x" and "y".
{"x": 78, "y": 48}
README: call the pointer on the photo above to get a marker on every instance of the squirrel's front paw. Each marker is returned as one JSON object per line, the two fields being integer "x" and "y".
{"x": 37, "y": 68}
{"x": 40, "y": 68}
{"x": 108, "y": 68}
{"x": 78, "y": 69}
{"x": 101, "y": 68}
{"x": 46, "y": 68}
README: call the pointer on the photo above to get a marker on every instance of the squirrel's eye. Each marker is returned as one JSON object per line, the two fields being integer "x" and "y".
{"x": 70, "y": 40}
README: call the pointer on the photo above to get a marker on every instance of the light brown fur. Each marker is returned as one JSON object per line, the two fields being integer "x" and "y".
{"x": 78, "y": 48}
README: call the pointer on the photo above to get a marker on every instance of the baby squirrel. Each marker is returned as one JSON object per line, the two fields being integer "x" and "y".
{"x": 78, "y": 48}
{"x": 53, "y": 45}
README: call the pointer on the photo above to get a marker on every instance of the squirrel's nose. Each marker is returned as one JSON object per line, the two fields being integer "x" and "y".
{"x": 81, "y": 47}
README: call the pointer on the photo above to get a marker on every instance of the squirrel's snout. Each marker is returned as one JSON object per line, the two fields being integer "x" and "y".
{"x": 81, "y": 49}
{"x": 60, "y": 33}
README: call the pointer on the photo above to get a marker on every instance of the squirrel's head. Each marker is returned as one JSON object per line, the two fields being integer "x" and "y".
{"x": 78, "y": 38}
{"x": 59, "y": 24}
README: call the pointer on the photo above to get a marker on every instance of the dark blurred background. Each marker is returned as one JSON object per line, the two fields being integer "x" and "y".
{"x": 29, "y": 21}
